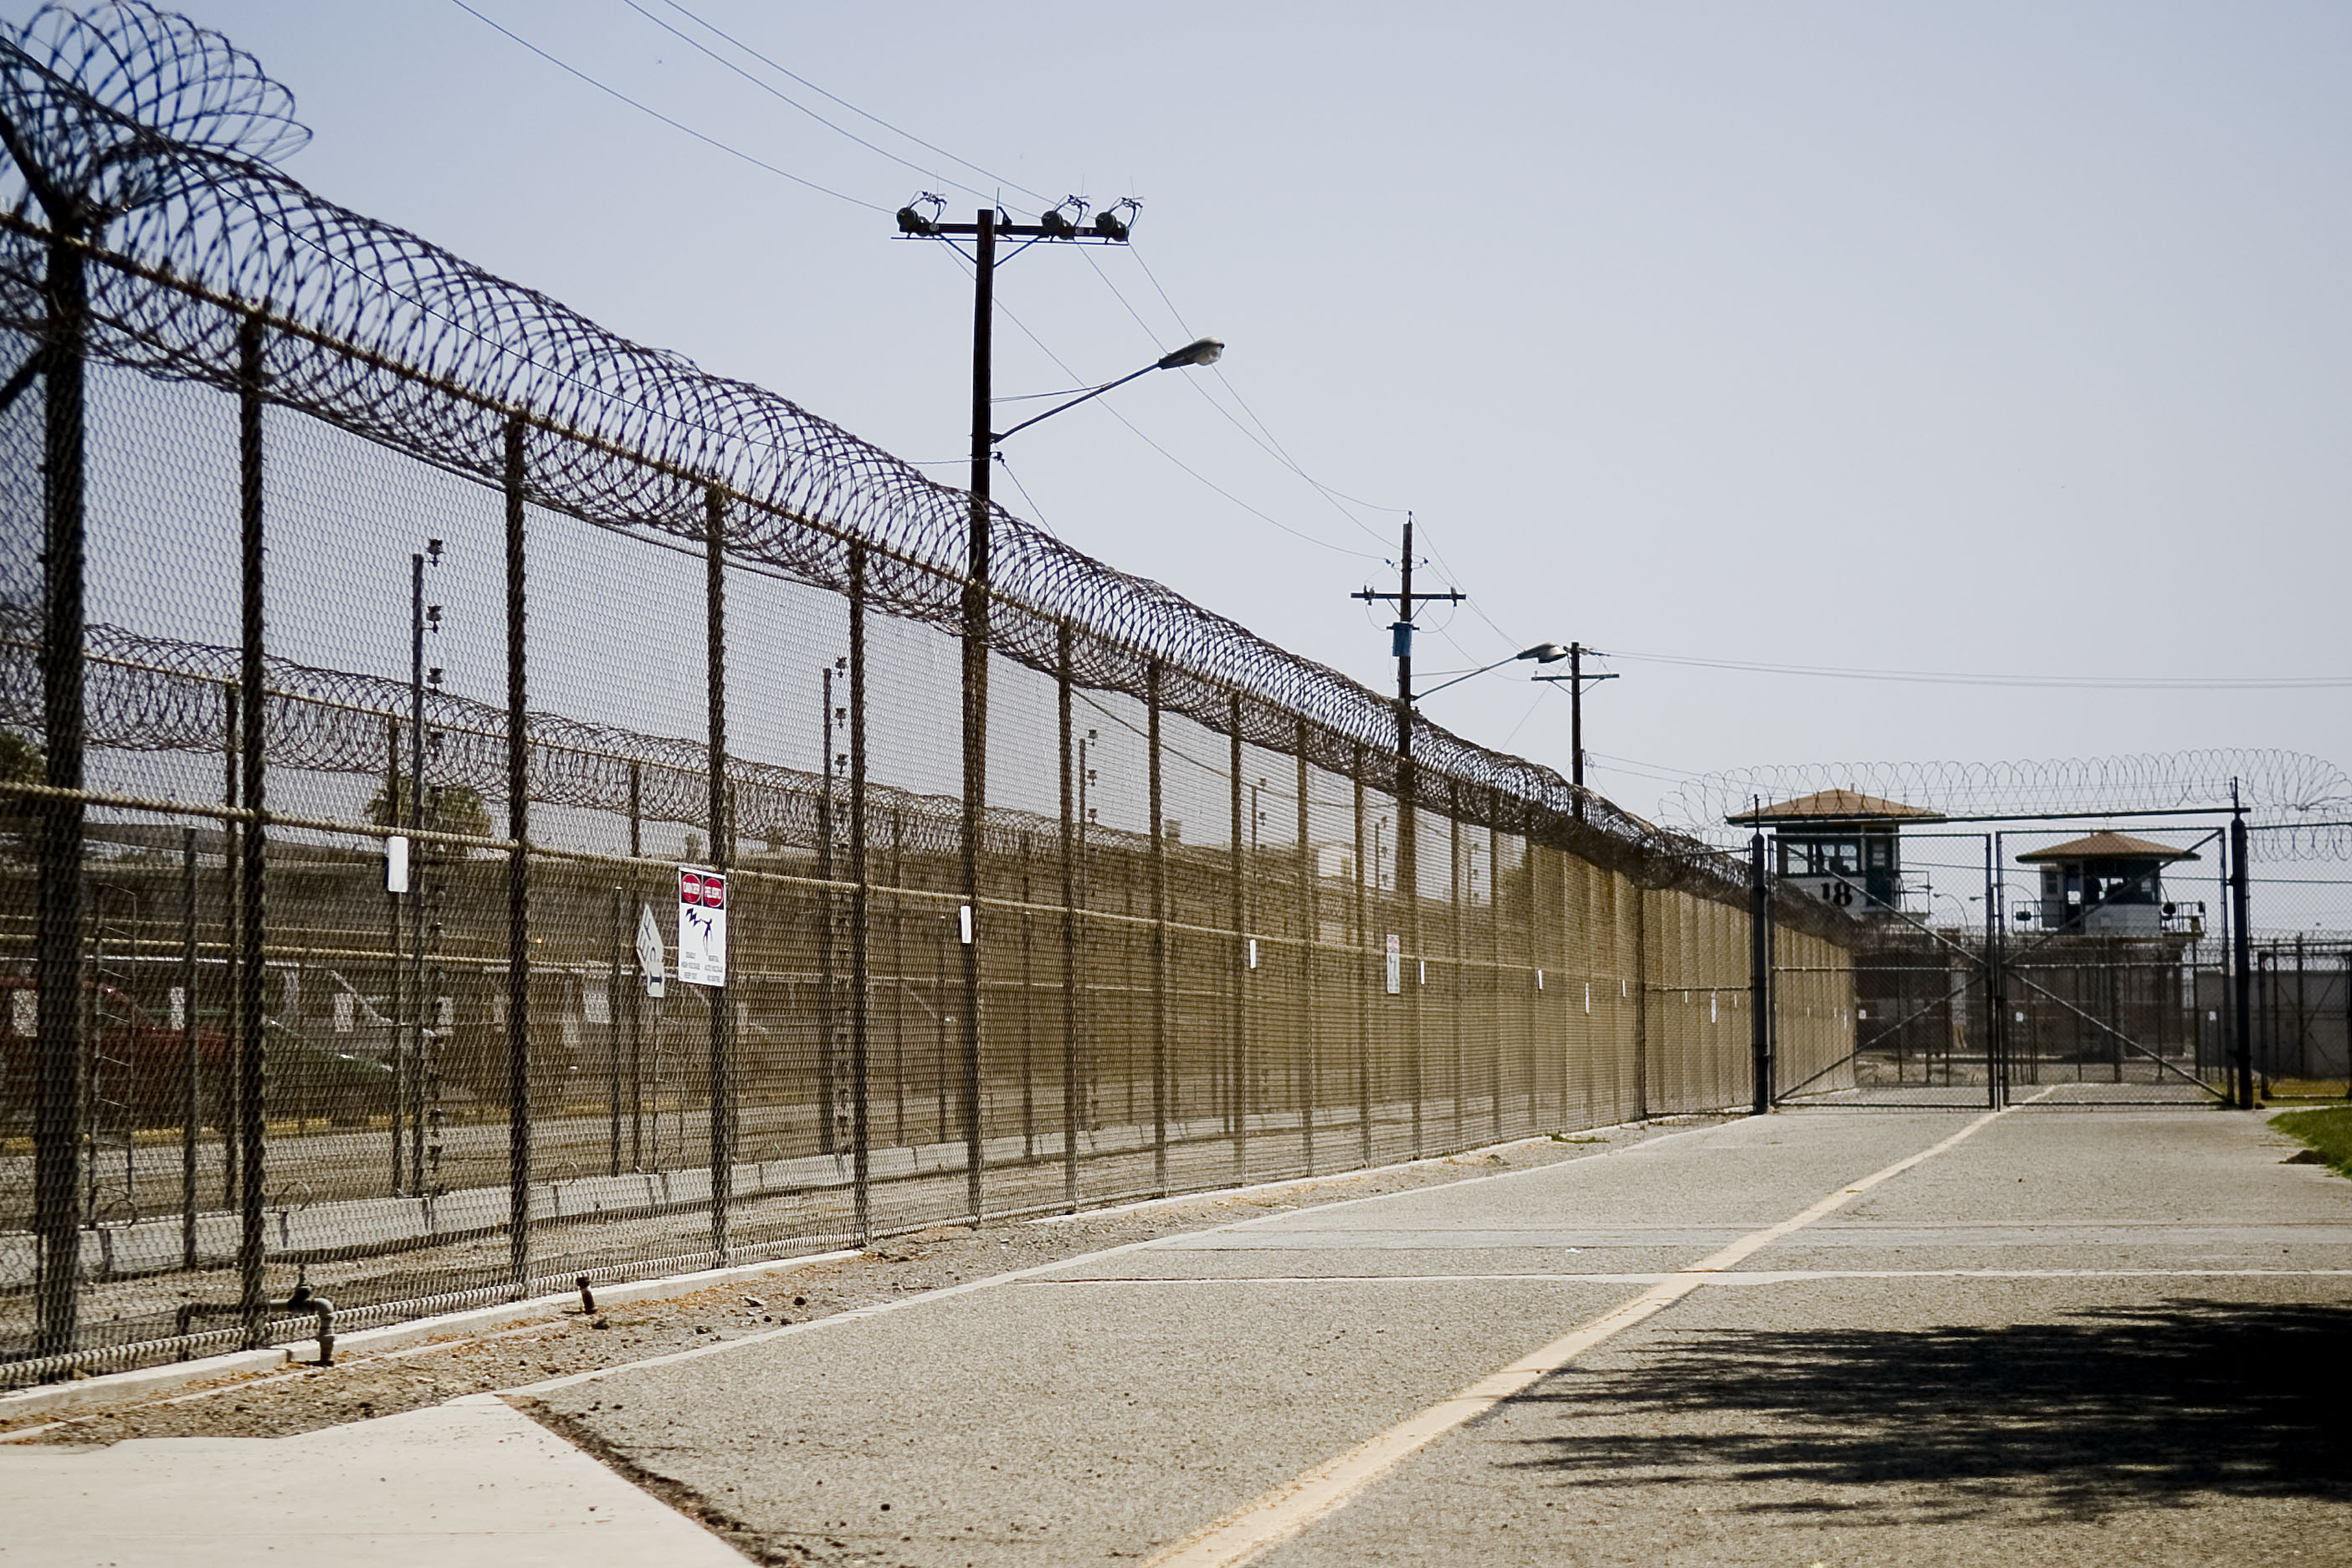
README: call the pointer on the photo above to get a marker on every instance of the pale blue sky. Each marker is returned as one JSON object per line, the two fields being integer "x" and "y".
{"x": 1992, "y": 337}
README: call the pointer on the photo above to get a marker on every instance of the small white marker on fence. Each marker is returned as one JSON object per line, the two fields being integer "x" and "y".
{"x": 395, "y": 864}
{"x": 963, "y": 922}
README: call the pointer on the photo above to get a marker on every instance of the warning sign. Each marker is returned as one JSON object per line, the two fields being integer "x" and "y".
{"x": 650, "y": 955}
{"x": 701, "y": 926}
{"x": 1395, "y": 975}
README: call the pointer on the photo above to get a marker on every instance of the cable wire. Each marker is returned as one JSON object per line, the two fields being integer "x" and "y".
{"x": 1204, "y": 478}
{"x": 2059, "y": 682}
{"x": 674, "y": 124}
{"x": 783, "y": 97}
{"x": 863, "y": 114}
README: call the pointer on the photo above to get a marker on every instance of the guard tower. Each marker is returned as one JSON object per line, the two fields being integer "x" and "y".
{"x": 2110, "y": 884}
{"x": 1840, "y": 846}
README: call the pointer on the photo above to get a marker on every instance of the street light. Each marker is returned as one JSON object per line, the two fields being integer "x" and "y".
{"x": 1199, "y": 352}
{"x": 1542, "y": 653}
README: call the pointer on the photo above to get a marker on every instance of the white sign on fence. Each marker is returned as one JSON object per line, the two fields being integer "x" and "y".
{"x": 1395, "y": 964}
{"x": 650, "y": 957}
{"x": 701, "y": 926}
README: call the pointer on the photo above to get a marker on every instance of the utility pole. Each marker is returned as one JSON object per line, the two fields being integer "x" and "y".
{"x": 1576, "y": 679}
{"x": 1408, "y": 604}
{"x": 988, "y": 226}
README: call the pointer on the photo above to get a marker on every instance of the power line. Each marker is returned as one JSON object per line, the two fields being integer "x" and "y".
{"x": 1262, "y": 438}
{"x": 675, "y": 125}
{"x": 782, "y": 97}
{"x": 863, "y": 114}
{"x": 1138, "y": 435}
{"x": 1955, "y": 678}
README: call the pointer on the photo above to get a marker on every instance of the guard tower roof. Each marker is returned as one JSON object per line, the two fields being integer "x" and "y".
{"x": 2108, "y": 846}
{"x": 1836, "y": 806}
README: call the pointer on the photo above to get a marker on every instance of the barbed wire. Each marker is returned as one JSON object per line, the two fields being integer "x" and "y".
{"x": 147, "y": 142}
{"x": 2297, "y": 799}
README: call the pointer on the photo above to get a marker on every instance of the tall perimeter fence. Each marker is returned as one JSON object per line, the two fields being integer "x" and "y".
{"x": 381, "y": 641}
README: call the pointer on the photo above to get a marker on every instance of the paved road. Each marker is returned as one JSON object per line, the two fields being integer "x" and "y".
{"x": 2069, "y": 1336}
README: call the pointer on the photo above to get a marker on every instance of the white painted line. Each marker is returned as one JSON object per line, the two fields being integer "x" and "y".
{"x": 1300, "y": 1501}
{"x": 859, "y": 1314}
{"x": 1737, "y": 1277}
{"x": 1588, "y": 1135}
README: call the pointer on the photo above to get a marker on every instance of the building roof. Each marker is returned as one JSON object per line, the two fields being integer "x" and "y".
{"x": 1837, "y": 806}
{"x": 2107, "y": 846}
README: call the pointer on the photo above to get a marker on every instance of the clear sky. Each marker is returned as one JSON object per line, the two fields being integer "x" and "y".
{"x": 1991, "y": 338}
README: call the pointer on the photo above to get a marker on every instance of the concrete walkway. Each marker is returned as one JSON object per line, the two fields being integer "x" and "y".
{"x": 1834, "y": 1337}
{"x": 471, "y": 1484}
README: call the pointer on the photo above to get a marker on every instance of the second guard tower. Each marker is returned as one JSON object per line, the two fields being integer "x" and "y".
{"x": 2109, "y": 884}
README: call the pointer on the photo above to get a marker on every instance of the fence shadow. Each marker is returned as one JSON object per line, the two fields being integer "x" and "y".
{"x": 2100, "y": 1413}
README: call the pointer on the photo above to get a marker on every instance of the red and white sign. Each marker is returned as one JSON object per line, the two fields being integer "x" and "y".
{"x": 701, "y": 926}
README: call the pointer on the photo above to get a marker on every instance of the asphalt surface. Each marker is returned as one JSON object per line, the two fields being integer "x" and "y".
{"x": 2074, "y": 1336}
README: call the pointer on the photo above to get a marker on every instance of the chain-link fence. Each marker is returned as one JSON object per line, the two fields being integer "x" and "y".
{"x": 370, "y": 629}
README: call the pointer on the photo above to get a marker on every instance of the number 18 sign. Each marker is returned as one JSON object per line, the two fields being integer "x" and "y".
{"x": 701, "y": 926}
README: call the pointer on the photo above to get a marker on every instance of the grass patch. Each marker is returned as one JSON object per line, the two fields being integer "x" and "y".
{"x": 2329, "y": 1131}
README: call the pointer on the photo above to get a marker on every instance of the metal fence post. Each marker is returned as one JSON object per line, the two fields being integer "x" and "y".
{"x": 825, "y": 1020}
{"x": 1461, "y": 970}
{"x": 415, "y": 816}
{"x": 392, "y": 947}
{"x": 59, "y": 1019}
{"x": 518, "y": 1128}
{"x": 251, "y": 1067}
{"x": 1760, "y": 976}
{"x": 1064, "y": 641}
{"x": 2243, "y": 992}
{"x": 1238, "y": 955}
{"x": 1309, "y": 965}
{"x": 620, "y": 933}
{"x": 193, "y": 1108}
{"x": 1494, "y": 1011}
{"x": 722, "y": 1087}
{"x": 1639, "y": 984}
{"x": 1160, "y": 997}
{"x": 1363, "y": 979}
{"x": 232, "y": 918}
{"x": 861, "y": 1126}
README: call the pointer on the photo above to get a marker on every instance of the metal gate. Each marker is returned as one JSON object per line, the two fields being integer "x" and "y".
{"x": 1989, "y": 1014}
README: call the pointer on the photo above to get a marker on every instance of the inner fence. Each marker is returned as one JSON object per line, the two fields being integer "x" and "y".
{"x": 371, "y": 630}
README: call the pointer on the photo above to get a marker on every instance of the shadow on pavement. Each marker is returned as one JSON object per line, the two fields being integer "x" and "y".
{"x": 2101, "y": 1412}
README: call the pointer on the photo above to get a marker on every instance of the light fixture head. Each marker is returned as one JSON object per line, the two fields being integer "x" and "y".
{"x": 1544, "y": 653}
{"x": 1201, "y": 351}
